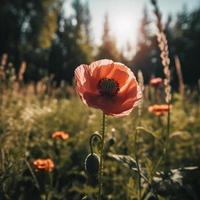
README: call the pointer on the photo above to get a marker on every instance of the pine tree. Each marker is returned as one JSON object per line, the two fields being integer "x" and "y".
{"x": 146, "y": 55}
{"x": 73, "y": 43}
{"x": 108, "y": 47}
{"x": 27, "y": 30}
{"x": 186, "y": 43}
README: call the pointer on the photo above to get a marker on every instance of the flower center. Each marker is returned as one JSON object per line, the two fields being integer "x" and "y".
{"x": 108, "y": 87}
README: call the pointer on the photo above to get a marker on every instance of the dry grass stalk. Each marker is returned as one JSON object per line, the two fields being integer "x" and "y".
{"x": 163, "y": 45}
{"x": 22, "y": 70}
{"x": 3, "y": 62}
{"x": 4, "y": 59}
{"x": 141, "y": 84}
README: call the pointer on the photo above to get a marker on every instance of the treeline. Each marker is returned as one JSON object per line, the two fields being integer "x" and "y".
{"x": 39, "y": 34}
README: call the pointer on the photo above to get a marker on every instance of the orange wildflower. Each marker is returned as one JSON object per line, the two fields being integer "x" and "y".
{"x": 156, "y": 82}
{"x": 159, "y": 110}
{"x": 60, "y": 134}
{"x": 43, "y": 165}
{"x": 109, "y": 86}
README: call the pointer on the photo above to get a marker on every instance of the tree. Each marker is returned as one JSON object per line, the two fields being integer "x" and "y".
{"x": 146, "y": 58}
{"x": 186, "y": 43}
{"x": 108, "y": 47}
{"x": 27, "y": 30}
{"x": 73, "y": 44}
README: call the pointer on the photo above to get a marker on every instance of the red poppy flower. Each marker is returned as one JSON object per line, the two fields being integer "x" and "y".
{"x": 159, "y": 110}
{"x": 60, "y": 134}
{"x": 109, "y": 86}
{"x": 156, "y": 82}
{"x": 43, "y": 165}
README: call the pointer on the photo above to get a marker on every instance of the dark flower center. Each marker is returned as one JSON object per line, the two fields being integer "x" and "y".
{"x": 108, "y": 87}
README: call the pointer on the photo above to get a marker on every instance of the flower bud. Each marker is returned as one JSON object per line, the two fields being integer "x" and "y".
{"x": 92, "y": 164}
{"x": 111, "y": 141}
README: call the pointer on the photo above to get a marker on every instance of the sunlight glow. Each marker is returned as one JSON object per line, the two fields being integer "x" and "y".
{"x": 125, "y": 29}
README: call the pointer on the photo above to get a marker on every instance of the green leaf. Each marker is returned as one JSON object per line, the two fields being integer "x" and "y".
{"x": 127, "y": 161}
{"x": 141, "y": 129}
{"x": 181, "y": 134}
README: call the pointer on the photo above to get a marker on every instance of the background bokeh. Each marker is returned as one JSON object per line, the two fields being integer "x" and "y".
{"x": 54, "y": 36}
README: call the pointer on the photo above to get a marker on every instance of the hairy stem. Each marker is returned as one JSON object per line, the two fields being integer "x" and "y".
{"x": 167, "y": 137}
{"x": 138, "y": 167}
{"x": 101, "y": 156}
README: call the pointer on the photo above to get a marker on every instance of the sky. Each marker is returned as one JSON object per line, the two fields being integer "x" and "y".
{"x": 125, "y": 15}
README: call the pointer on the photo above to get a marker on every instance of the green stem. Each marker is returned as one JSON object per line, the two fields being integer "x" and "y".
{"x": 33, "y": 175}
{"x": 101, "y": 156}
{"x": 1, "y": 98}
{"x": 137, "y": 165}
{"x": 167, "y": 137}
{"x": 168, "y": 120}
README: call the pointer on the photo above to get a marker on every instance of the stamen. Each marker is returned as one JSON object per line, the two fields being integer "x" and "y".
{"x": 108, "y": 87}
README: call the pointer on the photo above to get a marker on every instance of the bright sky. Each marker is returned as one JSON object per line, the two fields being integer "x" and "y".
{"x": 125, "y": 15}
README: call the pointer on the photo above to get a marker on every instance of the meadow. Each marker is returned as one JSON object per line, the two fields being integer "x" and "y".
{"x": 28, "y": 120}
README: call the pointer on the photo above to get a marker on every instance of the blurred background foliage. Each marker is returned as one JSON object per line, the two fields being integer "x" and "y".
{"x": 40, "y": 34}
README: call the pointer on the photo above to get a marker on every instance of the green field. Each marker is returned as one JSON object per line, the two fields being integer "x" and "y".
{"x": 27, "y": 122}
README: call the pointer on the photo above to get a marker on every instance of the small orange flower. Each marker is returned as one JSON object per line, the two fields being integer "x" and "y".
{"x": 44, "y": 165}
{"x": 156, "y": 82}
{"x": 109, "y": 86}
{"x": 159, "y": 110}
{"x": 60, "y": 134}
